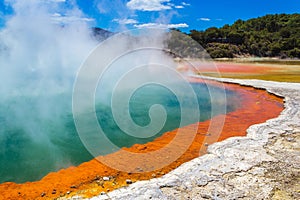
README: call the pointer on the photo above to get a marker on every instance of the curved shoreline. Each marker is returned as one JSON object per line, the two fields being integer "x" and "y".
{"x": 262, "y": 165}
{"x": 85, "y": 178}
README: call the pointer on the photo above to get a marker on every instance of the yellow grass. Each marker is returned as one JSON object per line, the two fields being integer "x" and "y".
{"x": 283, "y": 71}
{"x": 295, "y": 78}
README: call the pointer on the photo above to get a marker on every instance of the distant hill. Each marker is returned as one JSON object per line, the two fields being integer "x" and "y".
{"x": 269, "y": 36}
{"x": 101, "y": 34}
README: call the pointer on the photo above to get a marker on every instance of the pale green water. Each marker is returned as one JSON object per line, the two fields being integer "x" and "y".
{"x": 34, "y": 143}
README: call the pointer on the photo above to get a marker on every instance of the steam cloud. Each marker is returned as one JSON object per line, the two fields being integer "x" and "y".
{"x": 42, "y": 47}
{"x": 39, "y": 57}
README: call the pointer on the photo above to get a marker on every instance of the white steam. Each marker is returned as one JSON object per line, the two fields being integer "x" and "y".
{"x": 37, "y": 54}
{"x": 42, "y": 46}
{"x": 40, "y": 53}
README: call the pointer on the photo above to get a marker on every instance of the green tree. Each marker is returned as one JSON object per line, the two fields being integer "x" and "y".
{"x": 270, "y": 35}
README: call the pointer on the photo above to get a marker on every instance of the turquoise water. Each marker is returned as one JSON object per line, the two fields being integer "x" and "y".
{"x": 38, "y": 134}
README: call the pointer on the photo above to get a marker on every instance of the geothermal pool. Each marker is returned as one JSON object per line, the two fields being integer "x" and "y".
{"x": 36, "y": 139}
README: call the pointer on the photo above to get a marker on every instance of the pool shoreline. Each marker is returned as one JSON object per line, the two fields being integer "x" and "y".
{"x": 89, "y": 186}
{"x": 263, "y": 165}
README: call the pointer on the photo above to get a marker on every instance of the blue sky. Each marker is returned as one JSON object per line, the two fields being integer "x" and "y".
{"x": 116, "y": 15}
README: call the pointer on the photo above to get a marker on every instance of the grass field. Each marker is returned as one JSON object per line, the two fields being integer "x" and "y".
{"x": 284, "y": 77}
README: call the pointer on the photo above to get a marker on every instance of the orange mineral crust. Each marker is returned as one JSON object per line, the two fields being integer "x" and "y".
{"x": 256, "y": 106}
{"x": 237, "y": 68}
{"x": 243, "y": 68}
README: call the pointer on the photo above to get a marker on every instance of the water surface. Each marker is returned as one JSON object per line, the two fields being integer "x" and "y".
{"x": 33, "y": 143}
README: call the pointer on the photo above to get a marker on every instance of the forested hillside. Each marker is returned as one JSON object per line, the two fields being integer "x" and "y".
{"x": 269, "y": 36}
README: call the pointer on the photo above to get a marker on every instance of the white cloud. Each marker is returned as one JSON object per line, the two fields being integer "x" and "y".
{"x": 125, "y": 21}
{"x": 52, "y": 1}
{"x": 59, "y": 1}
{"x": 115, "y": 8}
{"x": 56, "y": 15}
{"x": 185, "y": 4}
{"x": 154, "y": 5}
{"x": 104, "y": 6}
{"x": 58, "y": 18}
{"x": 204, "y": 19}
{"x": 156, "y": 25}
{"x": 179, "y": 7}
{"x": 149, "y": 5}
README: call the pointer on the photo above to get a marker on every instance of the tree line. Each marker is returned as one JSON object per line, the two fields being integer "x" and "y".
{"x": 268, "y": 36}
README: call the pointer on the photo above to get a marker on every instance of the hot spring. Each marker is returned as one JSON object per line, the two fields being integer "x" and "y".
{"x": 53, "y": 144}
{"x": 39, "y": 64}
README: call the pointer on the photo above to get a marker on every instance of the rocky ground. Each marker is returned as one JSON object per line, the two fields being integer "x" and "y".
{"x": 263, "y": 165}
